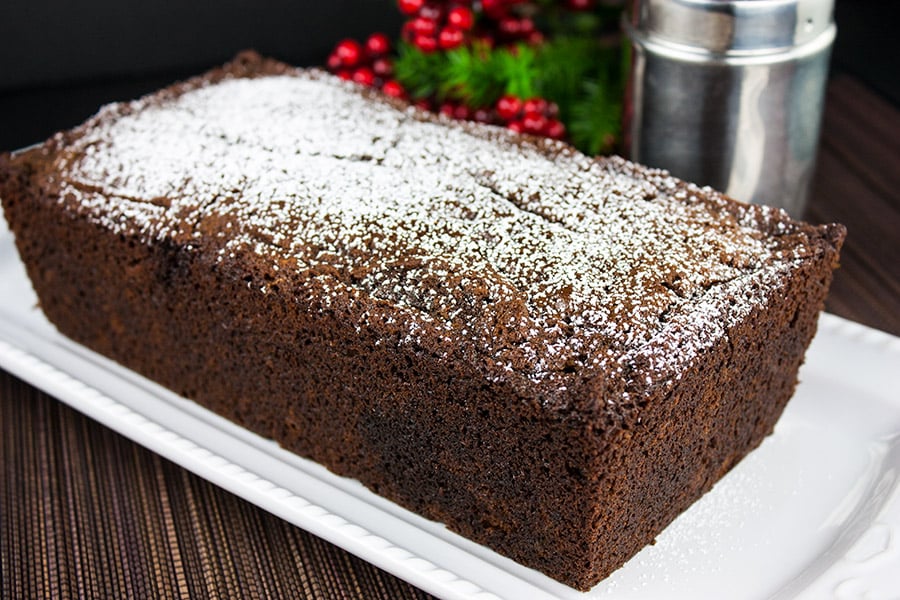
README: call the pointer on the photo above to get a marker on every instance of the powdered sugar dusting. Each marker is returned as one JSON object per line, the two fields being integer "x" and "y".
{"x": 542, "y": 261}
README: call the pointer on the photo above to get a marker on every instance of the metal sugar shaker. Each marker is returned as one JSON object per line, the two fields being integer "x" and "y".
{"x": 729, "y": 93}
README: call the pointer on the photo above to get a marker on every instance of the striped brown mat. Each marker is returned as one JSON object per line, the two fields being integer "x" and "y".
{"x": 86, "y": 513}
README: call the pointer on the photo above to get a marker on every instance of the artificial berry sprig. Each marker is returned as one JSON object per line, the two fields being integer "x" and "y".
{"x": 463, "y": 112}
{"x": 536, "y": 116}
{"x": 503, "y": 62}
{"x": 367, "y": 64}
{"x": 509, "y": 22}
{"x": 435, "y": 25}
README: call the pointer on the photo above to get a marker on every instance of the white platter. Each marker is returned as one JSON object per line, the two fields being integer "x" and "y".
{"x": 813, "y": 513}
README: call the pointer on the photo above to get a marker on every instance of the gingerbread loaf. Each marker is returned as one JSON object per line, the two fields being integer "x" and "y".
{"x": 554, "y": 355}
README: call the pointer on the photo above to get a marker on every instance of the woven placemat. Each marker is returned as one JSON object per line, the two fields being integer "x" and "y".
{"x": 85, "y": 512}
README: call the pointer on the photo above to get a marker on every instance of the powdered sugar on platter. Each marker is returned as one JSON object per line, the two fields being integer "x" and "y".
{"x": 528, "y": 251}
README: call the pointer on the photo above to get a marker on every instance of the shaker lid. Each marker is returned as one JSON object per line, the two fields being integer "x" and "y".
{"x": 732, "y": 27}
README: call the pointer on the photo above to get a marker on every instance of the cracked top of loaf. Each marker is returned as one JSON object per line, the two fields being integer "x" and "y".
{"x": 539, "y": 263}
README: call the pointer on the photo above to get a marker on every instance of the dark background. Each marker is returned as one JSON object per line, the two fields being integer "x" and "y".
{"x": 60, "y": 60}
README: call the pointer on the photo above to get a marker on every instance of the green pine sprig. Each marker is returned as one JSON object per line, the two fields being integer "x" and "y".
{"x": 595, "y": 123}
{"x": 471, "y": 74}
{"x": 419, "y": 72}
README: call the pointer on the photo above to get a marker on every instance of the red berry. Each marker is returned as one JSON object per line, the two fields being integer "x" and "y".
{"x": 334, "y": 62}
{"x": 493, "y": 8}
{"x": 447, "y": 108}
{"x": 406, "y": 32}
{"x": 378, "y": 44}
{"x": 393, "y": 88}
{"x": 534, "y": 123}
{"x": 410, "y": 7}
{"x": 432, "y": 12}
{"x": 383, "y": 67}
{"x": 510, "y": 26}
{"x": 461, "y": 17}
{"x": 535, "y": 38}
{"x": 450, "y": 37}
{"x": 345, "y": 74}
{"x": 426, "y": 43}
{"x": 423, "y": 26}
{"x": 461, "y": 112}
{"x": 516, "y": 126}
{"x": 580, "y": 4}
{"x": 537, "y": 106}
{"x": 364, "y": 76}
{"x": 482, "y": 115}
{"x": 423, "y": 103}
{"x": 508, "y": 107}
{"x": 554, "y": 129}
{"x": 349, "y": 52}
